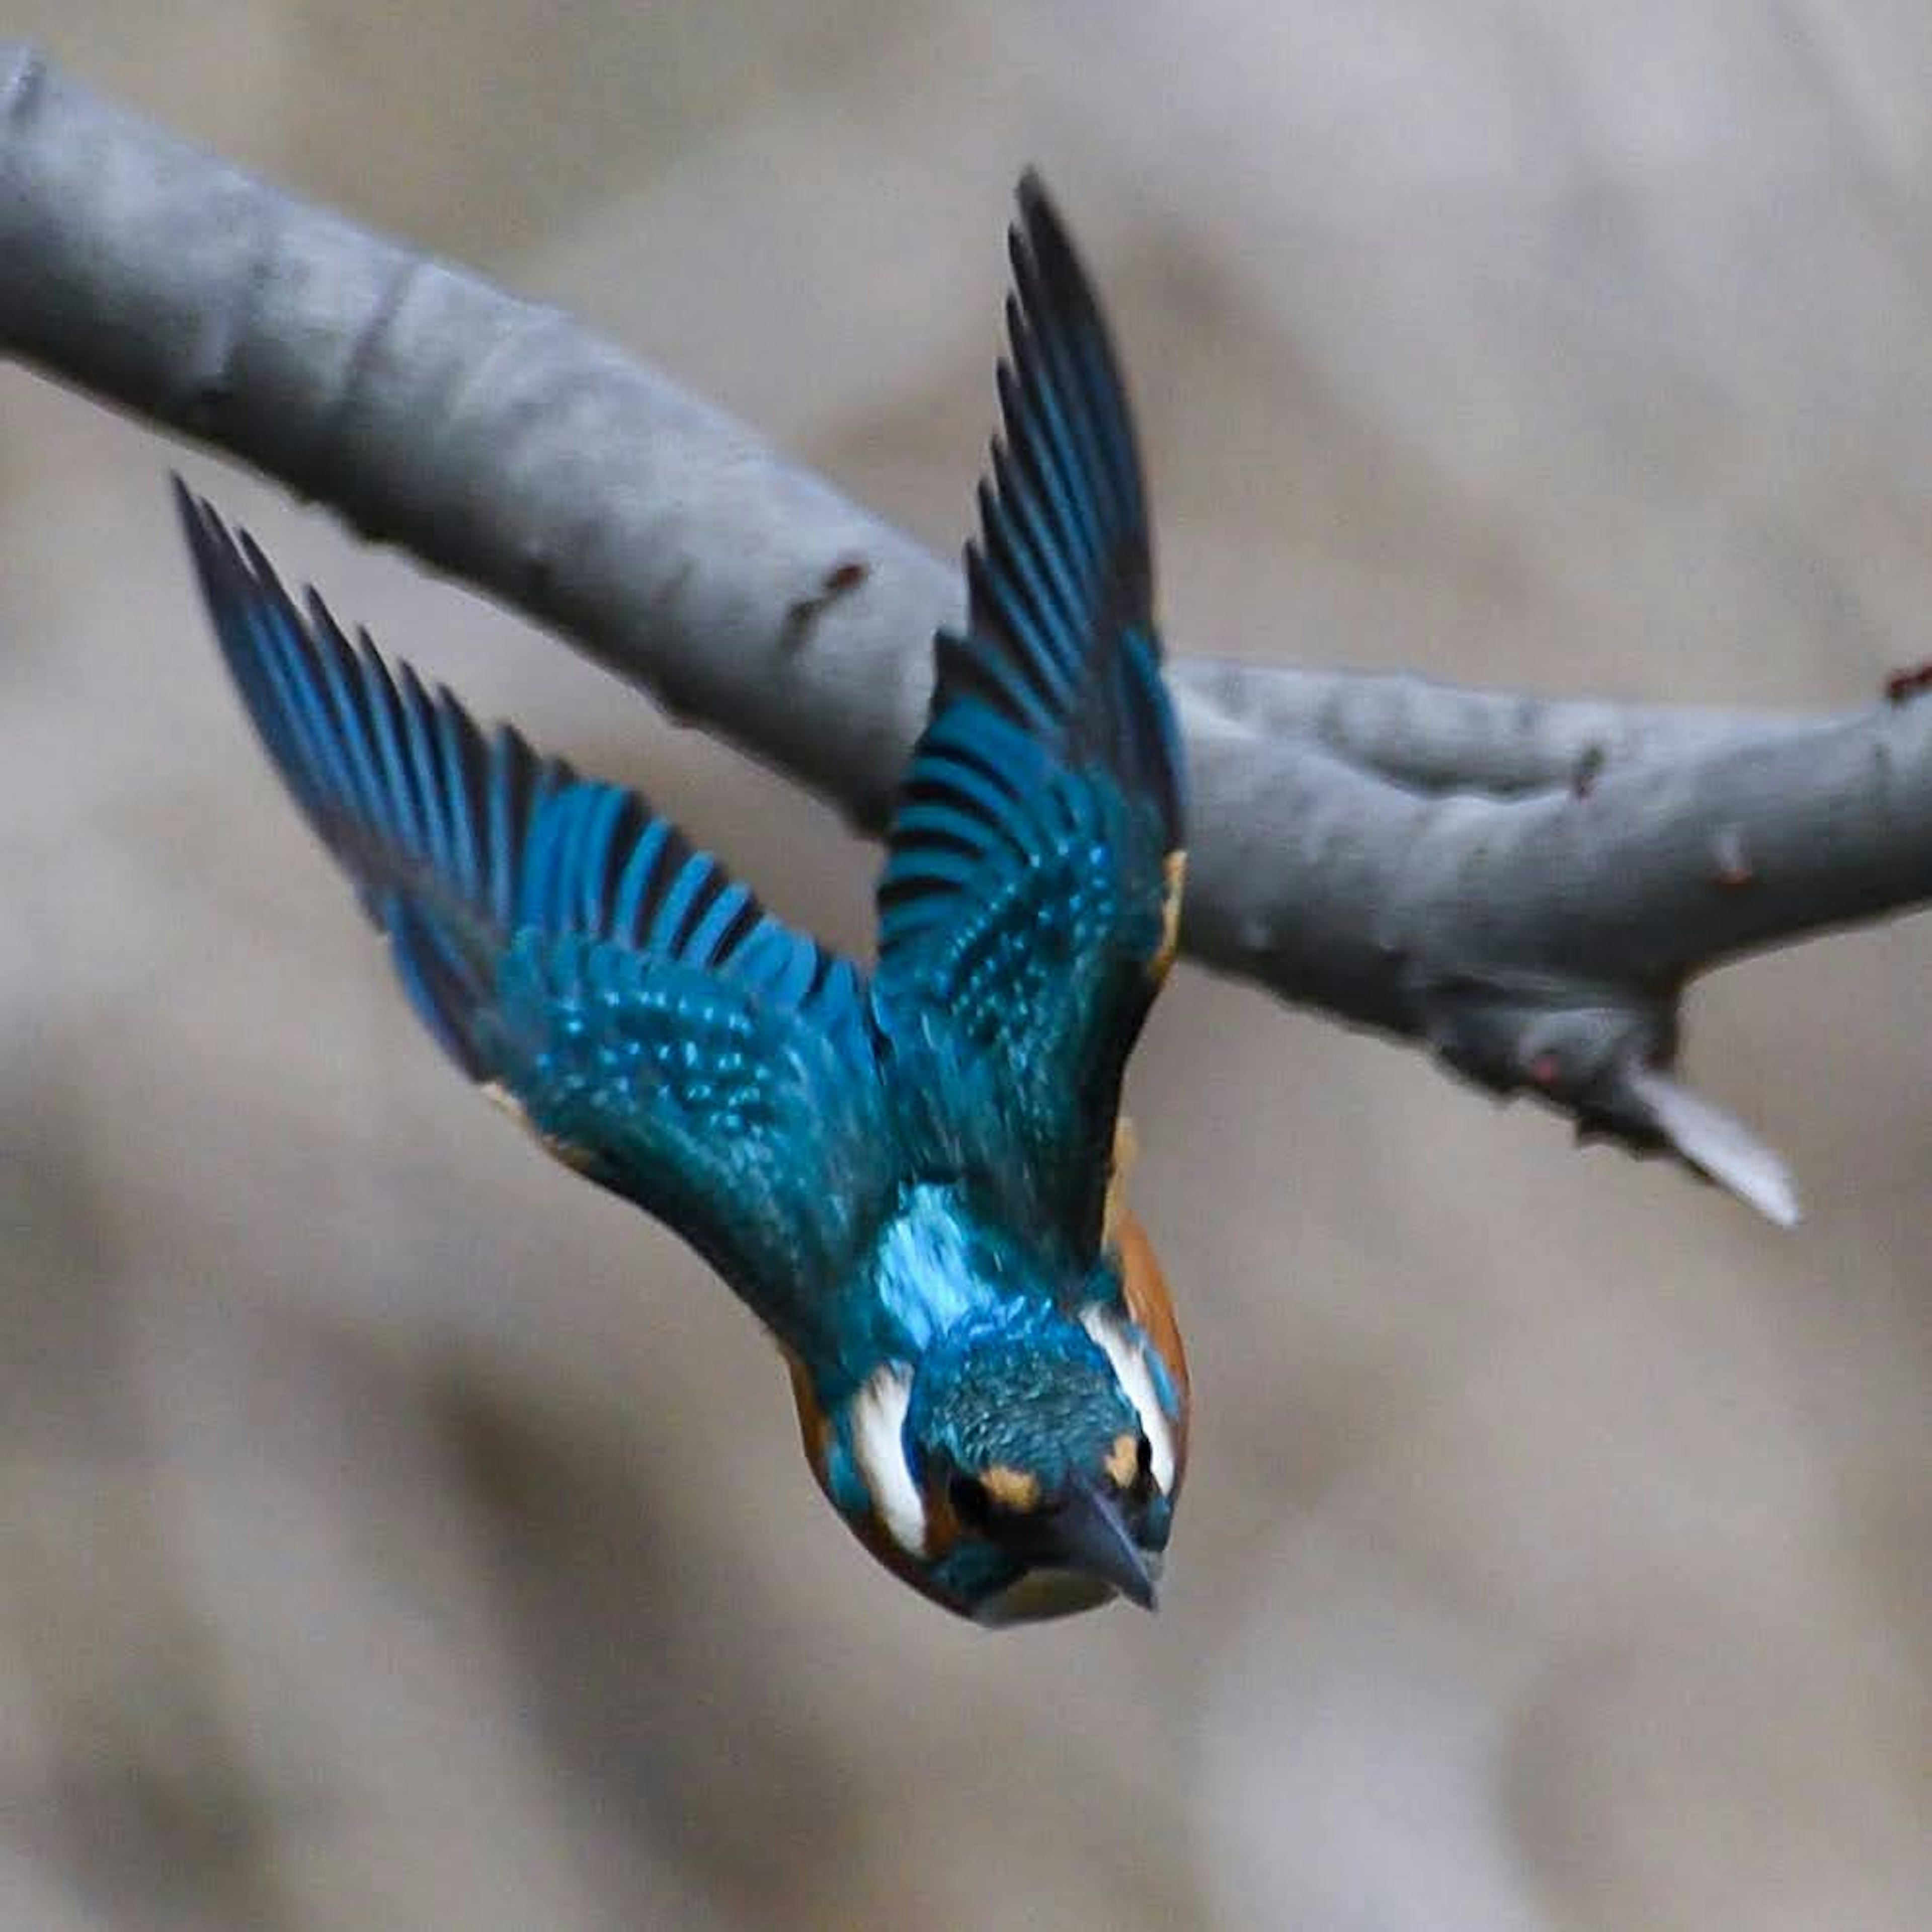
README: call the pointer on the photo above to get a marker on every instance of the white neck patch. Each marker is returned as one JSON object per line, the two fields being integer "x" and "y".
{"x": 1126, "y": 1349}
{"x": 878, "y": 1447}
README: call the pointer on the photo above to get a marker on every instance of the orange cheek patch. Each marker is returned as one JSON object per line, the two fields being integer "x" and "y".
{"x": 1011, "y": 1489}
{"x": 1123, "y": 1461}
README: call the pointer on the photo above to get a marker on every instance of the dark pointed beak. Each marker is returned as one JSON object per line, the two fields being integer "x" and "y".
{"x": 1086, "y": 1532}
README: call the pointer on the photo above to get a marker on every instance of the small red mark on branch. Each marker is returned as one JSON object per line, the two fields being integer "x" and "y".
{"x": 1903, "y": 686}
{"x": 1735, "y": 870}
{"x": 843, "y": 578}
{"x": 1545, "y": 1071}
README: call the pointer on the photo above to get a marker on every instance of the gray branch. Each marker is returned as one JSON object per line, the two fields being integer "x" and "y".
{"x": 1523, "y": 886}
{"x": 1437, "y": 737}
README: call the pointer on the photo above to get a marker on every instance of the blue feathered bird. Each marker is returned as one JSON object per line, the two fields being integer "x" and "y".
{"x": 911, "y": 1176}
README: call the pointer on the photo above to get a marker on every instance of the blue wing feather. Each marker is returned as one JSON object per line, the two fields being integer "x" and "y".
{"x": 1028, "y": 890}
{"x": 482, "y": 837}
{"x": 550, "y": 930}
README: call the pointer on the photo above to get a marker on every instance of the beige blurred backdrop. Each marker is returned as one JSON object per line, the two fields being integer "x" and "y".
{"x": 395, "y": 1533}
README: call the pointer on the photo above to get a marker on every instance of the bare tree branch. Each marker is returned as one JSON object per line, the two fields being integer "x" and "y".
{"x": 1523, "y": 886}
{"x": 1437, "y": 737}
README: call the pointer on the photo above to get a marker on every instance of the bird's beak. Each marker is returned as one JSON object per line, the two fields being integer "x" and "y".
{"x": 1086, "y": 1532}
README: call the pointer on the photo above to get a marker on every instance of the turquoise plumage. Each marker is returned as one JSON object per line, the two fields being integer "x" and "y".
{"x": 909, "y": 1176}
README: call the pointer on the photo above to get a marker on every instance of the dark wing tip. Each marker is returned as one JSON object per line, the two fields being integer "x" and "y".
{"x": 230, "y": 565}
{"x": 1040, "y": 226}
{"x": 1064, "y": 403}
{"x": 204, "y": 531}
{"x": 1052, "y": 283}
{"x": 1039, "y": 218}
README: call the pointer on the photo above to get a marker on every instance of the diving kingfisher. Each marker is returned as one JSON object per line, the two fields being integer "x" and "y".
{"x": 912, "y": 1176}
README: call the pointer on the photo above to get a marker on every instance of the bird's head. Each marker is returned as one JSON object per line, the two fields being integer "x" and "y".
{"x": 1024, "y": 1469}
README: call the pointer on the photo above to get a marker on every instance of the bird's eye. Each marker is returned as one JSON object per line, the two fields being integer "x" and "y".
{"x": 970, "y": 1502}
{"x": 1143, "y": 1466}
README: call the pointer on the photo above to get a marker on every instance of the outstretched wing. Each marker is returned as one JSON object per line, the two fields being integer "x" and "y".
{"x": 1033, "y": 877}
{"x": 656, "y": 1028}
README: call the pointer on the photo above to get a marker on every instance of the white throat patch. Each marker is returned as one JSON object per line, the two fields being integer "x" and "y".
{"x": 1127, "y": 1350}
{"x": 878, "y": 1447}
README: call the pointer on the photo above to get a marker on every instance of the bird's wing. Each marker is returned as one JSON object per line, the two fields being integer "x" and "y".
{"x": 1033, "y": 877}
{"x": 655, "y": 1027}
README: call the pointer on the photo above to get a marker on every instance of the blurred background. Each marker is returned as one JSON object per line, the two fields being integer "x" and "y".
{"x": 394, "y": 1532}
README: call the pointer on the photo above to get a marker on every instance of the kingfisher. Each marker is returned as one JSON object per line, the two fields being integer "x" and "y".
{"x": 913, "y": 1174}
